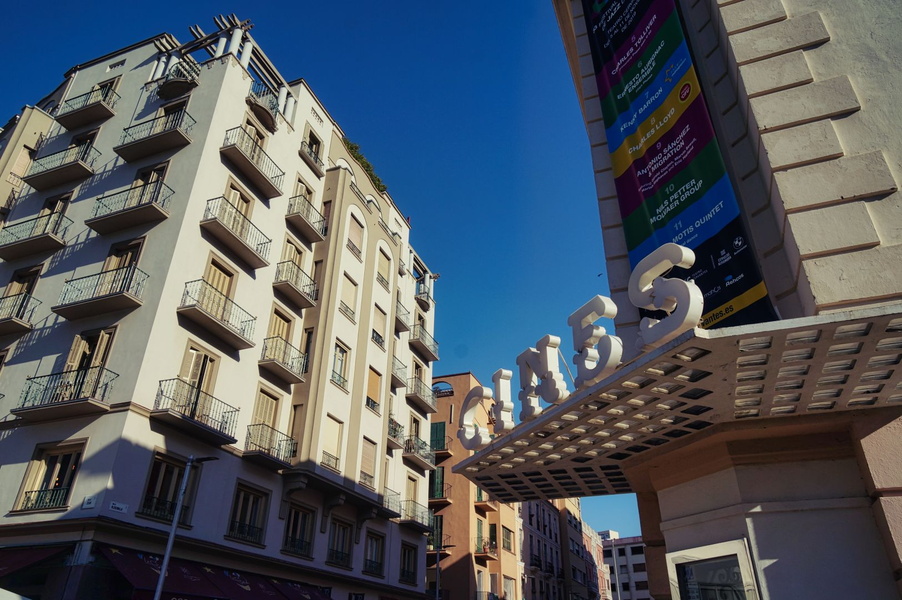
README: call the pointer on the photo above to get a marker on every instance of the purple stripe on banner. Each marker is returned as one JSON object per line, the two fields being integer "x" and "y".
{"x": 674, "y": 151}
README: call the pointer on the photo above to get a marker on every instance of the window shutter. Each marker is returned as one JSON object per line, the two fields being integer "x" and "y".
{"x": 356, "y": 233}
{"x": 379, "y": 321}
{"x": 265, "y": 409}
{"x": 384, "y": 265}
{"x": 368, "y": 459}
{"x": 349, "y": 293}
{"x": 331, "y": 436}
{"x": 78, "y": 350}
{"x": 374, "y": 385}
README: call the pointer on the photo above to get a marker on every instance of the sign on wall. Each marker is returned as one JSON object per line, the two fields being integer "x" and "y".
{"x": 672, "y": 184}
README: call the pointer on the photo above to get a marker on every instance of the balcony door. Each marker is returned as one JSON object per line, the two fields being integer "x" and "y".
{"x": 18, "y": 290}
{"x": 83, "y": 371}
{"x": 116, "y": 275}
{"x": 237, "y": 217}
{"x": 215, "y": 298}
{"x": 198, "y": 370}
{"x": 51, "y": 214}
{"x": 279, "y": 326}
{"x": 146, "y": 186}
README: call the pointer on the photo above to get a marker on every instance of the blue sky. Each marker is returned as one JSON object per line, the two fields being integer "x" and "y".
{"x": 467, "y": 112}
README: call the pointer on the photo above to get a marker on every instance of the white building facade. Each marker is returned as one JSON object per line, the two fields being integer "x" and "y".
{"x": 196, "y": 266}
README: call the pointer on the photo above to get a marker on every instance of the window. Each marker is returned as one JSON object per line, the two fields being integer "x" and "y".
{"x": 147, "y": 186}
{"x": 299, "y": 530}
{"x": 51, "y": 476}
{"x": 119, "y": 266}
{"x": 292, "y": 253}
{"x": 198, "y": 372}
{"x": 641, "y": 585}
{"x": 83, "y": 140}
{"x": 332, "y": 429}
{"x": 308, "y": 346}
{"x": 84, "y": 368}
{"x": 279, "y": 325}
{"x": 607, "y": 553}
{"x": 379, "y": 326}
{"x": 340, "y": 366}
{"x": 373, "y": 390}
{"x": 339, "y": 544}
{"x": 16, "y": 297}
{"x": 220, "y": 279}
{"x": 313, "y": 143}
{"x": 355, "y": 237}
{"x": 625, "y": 586}
{"x": 621, "y": 552}
{"x": 302, "y": 189}
{"x": 374, "y": 551}
{"x": 637, "y": 550}
{"x": 624, "y": 569}
{"x": 383, "y": 270}
{"x": 348, "y": 303}
{"x": 639, "y": 567}
{"x": 266, "y": 409}
{"x": 161, "y": 492}
{"x": 368, "y": 464}
{"x": 248, "y": 515}
{"x": 236, "y": 216}
{"x": 507, "y": 539}
{"x": 408, "y": 563}
{"x": 327, "y": 212}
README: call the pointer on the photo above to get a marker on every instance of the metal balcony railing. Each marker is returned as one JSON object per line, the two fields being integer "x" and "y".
{"x": 330, "y": 461}
{"x": 300, "y": 205}
{"x": 41, "y": 499}
{"x": 373, "y": 405}
{"x": 249, "y": 146}
{"x": 419, "y": 388}
{"x": 535, "y": 561}
{"x": 265, "y": 96}
{"x": 398, "y": 368}
{"x": 46, "y": 390}
{"x": 407, "y": 575}
{"x": 438, "y": 542}
{"x": 140, "y": 195}
{"x": 355, "y": 250}
{"x": 105, "y": 95}
{"x": 391, "y": 500}
{"x": 423, "y": 292}
{"x": 177, "y": 120}
{"x": 290, "y": 272}
{"x": 229, "y": 215}
{"x": 18, "y": 306}
{"x": 219, "y": 306}
{"x": 441, "y": 444}
{"x": 395, "y": 430}
{"x": 306, "y": 149}
{"x": 346, "y": 310}
{"x": 377, "y": 337}
{"x": 245, "y": 532}
{"x": 340, "y": 379}
{"x": 299, "y": 546}
{"x": 55, "y": 223}
{"x": 414, "y": 445}
{"x": 184, "y": 69}
{"x": 402, "y": 314}
{"x": 438, "y": 491}
{"x": 338, "y": 557}
{"x": 373, "y": 567}
{"x": 164, "y": 509}
{"x": 263, "y": 438}
{"x": 179, "y": 396}
{"x": 419, "y": 333}
{"x": 124, "y": 280}
{"x": 485, "y": 546}
{"x": 382, "y": 279}
{"x": 279, "y": 350}
{"x": 367, "y": 480}
{"x": 85, "y": 153}
{"x": 412, "y": 511}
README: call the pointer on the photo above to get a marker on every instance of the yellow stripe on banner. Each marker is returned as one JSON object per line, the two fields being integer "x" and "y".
{"x": 733, "y": 306}
{"x": 657, "y": 124}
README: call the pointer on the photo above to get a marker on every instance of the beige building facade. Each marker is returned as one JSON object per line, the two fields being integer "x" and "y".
{"x": 200, "y": 276}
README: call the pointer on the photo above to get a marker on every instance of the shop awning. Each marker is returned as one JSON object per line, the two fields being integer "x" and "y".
{"x": 239, "y": 585}
{"x": 15, "y": 559}
{"x": 298, "y": 591}
{"x": 184, "y": 579}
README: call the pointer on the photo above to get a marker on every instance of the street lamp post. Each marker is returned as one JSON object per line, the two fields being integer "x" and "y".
{"x": 438, "y": 569}
{"x": 175, "y": 520}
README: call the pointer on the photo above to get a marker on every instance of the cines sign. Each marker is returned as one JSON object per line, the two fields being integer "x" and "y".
{"x": 597, "y": 354}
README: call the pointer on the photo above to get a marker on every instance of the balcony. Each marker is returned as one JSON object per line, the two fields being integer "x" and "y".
{"x": 312, "y": 159}
{"x": 402, "y": 318}
{"x": 442, "y": 446}
{"x": 535, "y": 563}
{"x": 373, "y": 567}
{"x": 97, "y": 105}
{"x": 407, "y": 576}
{"x": 416, "y": 516}
{"x": 298, "y": 546}
{"x": 224, "y": 221}
{"x": 66, "y": 166}
{"x": 292, "y": 282}
{"x": 373, "y": 405}
{"x": 398, "y": 372}
{"x": 378, "y": 339}
{"x": 145, "y": 203}
{"x": 268, "y": 447}
{"x": 214, "y": 311}
{"x": 331, "y": 462}
{"x": 423, "y": 295}
{"x": 245, "y": 532}
{"x": 422, "y": 342}
{"x": 340, "y": 380}
{"x": 391, "y": 503}
{"x": 339, "y": 558}
{"x": 421, "y": 395}
{"x": 367, "y": 480}
{"x": 419, "y": 453}
{"x": 107, "y": 291}
{"x": 355, "y": 250}
{"x": 549, "y": 570}
{"x": 440, "y": 494}
{"x": 17, "y": 314}
{"x": 483, "y": 502}
{"x": 306, "y": 219}
{"x": 159, "y": 134}
{"x": 195, "y": 412}
{"x": 251, "y": 161}
{"x": 485, "y": 548}
{"x": 46, "y": 233}
{"x": 347, "y": 311}
{"x": 283, "y": 360}
{"x": 264, "y": 103}
{"x": 181, "y": 78}
{"x": 395, "y": 434}
{"x": 163, "y": 509}
{"x": 437, "y": 543}
{"x": 45, "y": 499}
{"x": 66, "y": 394}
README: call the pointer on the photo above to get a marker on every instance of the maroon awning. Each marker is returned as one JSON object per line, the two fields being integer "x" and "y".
{"x": 298, "y": 591}
{"x": 184, "y": 579}
{"x": 239, "y": 585}
{"x": 14, "y": 559}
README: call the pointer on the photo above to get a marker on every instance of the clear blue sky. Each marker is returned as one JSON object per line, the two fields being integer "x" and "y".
{"x": 467, "y": 112}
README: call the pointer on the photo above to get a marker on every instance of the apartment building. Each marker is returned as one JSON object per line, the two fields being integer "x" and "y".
{"x": 204, "y": 291}
{"x": 626, "y": 559}
{"x": 544, "y": 577}
{"x": 475, "y": 541}
{"x": 597, "y": 572}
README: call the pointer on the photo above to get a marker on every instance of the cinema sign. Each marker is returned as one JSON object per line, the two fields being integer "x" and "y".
{"x": 597, "y": 353}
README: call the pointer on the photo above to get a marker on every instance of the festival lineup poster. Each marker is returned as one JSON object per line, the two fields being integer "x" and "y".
{"x": 672, "y": 184}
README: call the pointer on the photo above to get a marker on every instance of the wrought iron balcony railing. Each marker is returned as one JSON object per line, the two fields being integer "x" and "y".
{"x": 179, "y": 396}
{"x": 377, "y": 337}
{"x": 402, "y": 314}
{"x": 441, "y": 444}
{"x": 265, "y": 96}
{"x": 85, "y": 153}
{"x": 391, "y": 500}
{"x": 105, "y": 95}
{"x": 177, "y": 120}
{"x": 412, "y": 511}
{"x": 339, "y": 379}
{"x": 485, "y": 546}
{"x": 439, "y": 491}
{"x": 54, "y": 224}
{"x": 355, "y": 250}
{"x": 279, "y": 350}
{"x": 535, "y": 561}
{"x": 242, "y": 227}
{"x": 407, "y": 575}
{"x": 43, "y": 499}
{"x": 300, "y": 546}
{"x": 92, "y": 382}
{"x": 330, "y": 461}
{"x": 245, "y": 532}
{"x": 184, "y": 69}
{"x": 300, "y": 205}
{"x": 420, "y": 448}
{"x": 18, "y": 306}
{"x": 347, "y": 311}
{"x": 124, "y": 280}
{"x": 383, "y": 280}
{"x": 307, "y": 150}
{"x": 164, "y": 509}
{"x": 338, "y": 557}
{"x": 263, "y": 438}
{"x": 420, "y": 335}
{"x": 248, "y": 145}
{"x": 373, "y": 567}
{"x": 373, "y": 405}
{"x": 417, "y": 387}
{"x": 139, "y": 195}
{"x": 367, "y": 480}
{"x": 395, "y": 431}
{"x": 289, "y": 272}
{"x": 220, "y": 307}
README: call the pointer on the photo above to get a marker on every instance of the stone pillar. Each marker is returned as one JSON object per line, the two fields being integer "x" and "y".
{"x": 246, "y": 52}
{"x": 235, "y": 41}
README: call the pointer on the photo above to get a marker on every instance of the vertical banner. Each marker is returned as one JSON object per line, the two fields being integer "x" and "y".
{"x": 672, "y": 184}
